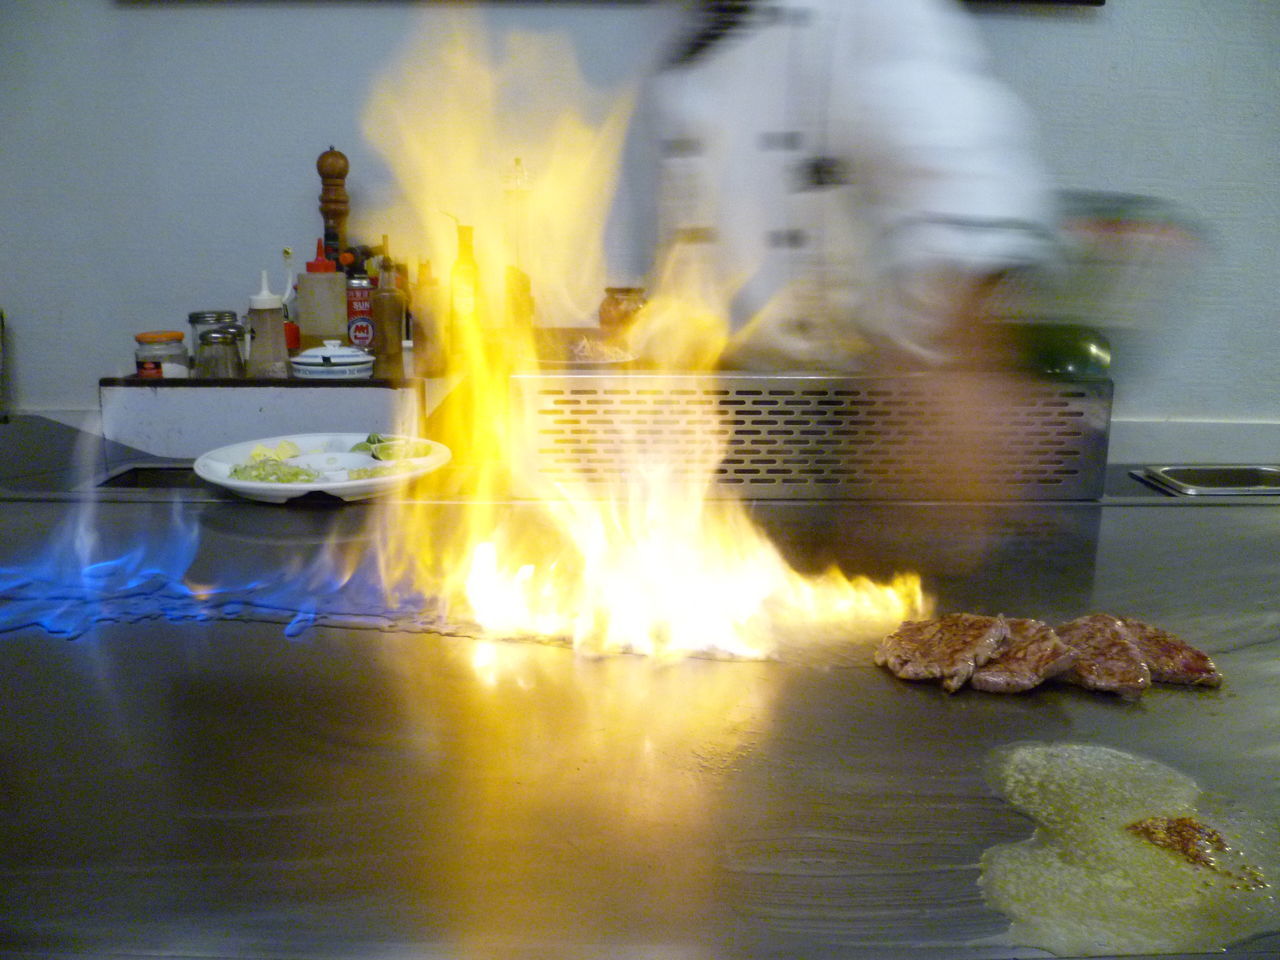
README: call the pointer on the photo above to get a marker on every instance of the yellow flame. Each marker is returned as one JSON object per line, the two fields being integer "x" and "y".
{"x": 647, "y": 563}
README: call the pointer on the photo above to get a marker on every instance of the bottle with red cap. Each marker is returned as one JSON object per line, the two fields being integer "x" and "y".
{"x": 322, "y": 301}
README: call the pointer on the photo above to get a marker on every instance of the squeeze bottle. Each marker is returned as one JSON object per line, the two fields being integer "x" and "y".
{"x": 268, "y": 355}
{"x": 322, "y": 301}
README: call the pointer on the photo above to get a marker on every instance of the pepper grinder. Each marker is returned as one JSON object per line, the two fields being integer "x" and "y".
{"x": 332, "y": 166}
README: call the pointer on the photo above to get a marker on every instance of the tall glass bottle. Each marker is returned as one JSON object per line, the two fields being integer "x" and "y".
{"x": 466, "y": 320}
{"x": 464, "y": 281}
{"x": 429, "y": 339}
{"x": 387, "y": 305}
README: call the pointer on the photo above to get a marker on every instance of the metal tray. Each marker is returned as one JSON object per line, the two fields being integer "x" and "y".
{"x": 1216, "y": 480}
{"x": 814, "y": 436}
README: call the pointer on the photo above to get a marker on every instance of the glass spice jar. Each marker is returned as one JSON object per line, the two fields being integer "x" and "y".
{"x": 619, "y": 307}
{"x": 160, "y": 354}
{"x": 202, "y": 320}
{"x": 218, "y": 356}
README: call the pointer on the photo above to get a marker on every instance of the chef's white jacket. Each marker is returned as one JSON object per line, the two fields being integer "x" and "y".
{"x": 827, "y": 160}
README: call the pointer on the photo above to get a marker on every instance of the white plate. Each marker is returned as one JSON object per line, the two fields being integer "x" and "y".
{"x": 585, "y": 364}
{"x": 330, "y": 453}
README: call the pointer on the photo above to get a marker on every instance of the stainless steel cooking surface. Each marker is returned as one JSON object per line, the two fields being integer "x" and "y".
{"x": 241, "y": 787}
{"x": 4, "y": 379}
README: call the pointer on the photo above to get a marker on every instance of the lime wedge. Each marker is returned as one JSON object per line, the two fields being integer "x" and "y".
{"x": 401, "y": 450}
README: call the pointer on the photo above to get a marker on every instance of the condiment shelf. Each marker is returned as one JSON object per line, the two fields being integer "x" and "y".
{"x": 183, "y": 418}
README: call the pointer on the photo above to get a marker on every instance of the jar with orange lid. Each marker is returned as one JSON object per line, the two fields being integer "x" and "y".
{"x": 160, "y": 354}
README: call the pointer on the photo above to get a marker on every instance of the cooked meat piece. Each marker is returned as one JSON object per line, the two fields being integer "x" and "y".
{"x": 1169, "y": 659}
{"x": 1108, "y": 658}
{"x": 949, "y": 648}
{"x": 1033, "y": 654}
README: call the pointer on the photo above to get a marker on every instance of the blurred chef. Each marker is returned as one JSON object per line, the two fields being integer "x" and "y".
{"x": 849, "y": 175}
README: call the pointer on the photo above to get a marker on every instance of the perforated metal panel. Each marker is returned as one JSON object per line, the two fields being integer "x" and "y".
{"x": 951, "y": 436}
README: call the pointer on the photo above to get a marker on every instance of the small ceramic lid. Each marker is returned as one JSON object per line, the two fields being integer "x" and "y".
{"x": 333, "y": 354}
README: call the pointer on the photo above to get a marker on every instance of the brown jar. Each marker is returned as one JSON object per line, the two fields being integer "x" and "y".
{"x": 619, "y": 308}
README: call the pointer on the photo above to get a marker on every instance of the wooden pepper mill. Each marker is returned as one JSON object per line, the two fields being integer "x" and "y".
{"x": 332, "y": 166}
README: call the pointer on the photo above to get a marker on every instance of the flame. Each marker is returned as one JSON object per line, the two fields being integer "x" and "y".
{"x": 649, "y": 564}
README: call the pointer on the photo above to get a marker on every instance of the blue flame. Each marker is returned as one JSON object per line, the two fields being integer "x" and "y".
{"x": 76, "y": 584}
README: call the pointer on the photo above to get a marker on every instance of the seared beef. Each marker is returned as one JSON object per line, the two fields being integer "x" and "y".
{"x": 1033, "y": 653}
{"x": 1169, "y": 658}
{"x": 1100, "y": 652}
{"x": 949, "y": 648}
{"x": 1108, "y": 657}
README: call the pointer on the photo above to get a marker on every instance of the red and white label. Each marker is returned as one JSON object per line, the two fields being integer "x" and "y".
{"x": 359, "y": 311}
{"x": 360, "y": 332}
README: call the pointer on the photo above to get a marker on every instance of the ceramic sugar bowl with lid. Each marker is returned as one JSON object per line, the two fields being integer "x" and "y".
{"x": 333, "y": 361}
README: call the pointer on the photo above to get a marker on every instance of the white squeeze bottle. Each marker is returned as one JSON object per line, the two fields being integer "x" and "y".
{"x": 268, "y": 356}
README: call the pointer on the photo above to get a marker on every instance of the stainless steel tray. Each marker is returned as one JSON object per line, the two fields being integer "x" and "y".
{"x": 808, "y": 436}
{"x": 1216, "y": 480}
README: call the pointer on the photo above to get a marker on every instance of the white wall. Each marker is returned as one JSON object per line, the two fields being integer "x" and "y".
{"x": 1179, "y": 99}
{"x": 155, "y": 155}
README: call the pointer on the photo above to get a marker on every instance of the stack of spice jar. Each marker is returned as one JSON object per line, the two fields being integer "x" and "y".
{"x": 218, "y": 348}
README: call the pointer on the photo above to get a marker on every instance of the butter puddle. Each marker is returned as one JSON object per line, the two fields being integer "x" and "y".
{"x": 1128, "y": 857}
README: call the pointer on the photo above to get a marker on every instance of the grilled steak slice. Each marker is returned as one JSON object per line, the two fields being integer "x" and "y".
{"x": 1108, "y": 658}
{"x": 1169, "y": 659}
{"x": 1033, "y": 654}
{"x": 949, "y": 648}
